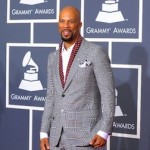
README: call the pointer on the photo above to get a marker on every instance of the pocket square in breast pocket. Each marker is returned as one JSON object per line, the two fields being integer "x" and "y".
{"x": 86, "y": 63}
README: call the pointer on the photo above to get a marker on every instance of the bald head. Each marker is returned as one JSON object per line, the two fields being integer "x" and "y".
{"x": 72, "y": 10}
{"x": 69, "y": 24}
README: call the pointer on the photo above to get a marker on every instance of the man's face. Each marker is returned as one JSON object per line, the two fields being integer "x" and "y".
{"x": 69, "y": 25}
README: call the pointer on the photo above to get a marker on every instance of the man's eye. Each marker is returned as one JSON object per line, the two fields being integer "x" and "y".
{"x": 61, "y": 21}
{"x": 71, "y": 21}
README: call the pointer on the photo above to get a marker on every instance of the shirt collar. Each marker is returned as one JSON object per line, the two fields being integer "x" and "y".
{"x": 69, "y": 50}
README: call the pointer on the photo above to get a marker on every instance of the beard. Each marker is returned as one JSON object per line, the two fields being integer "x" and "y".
{"x": 67, "y": 39}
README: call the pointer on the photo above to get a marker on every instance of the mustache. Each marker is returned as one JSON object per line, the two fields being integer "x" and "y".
{"x": 65, "y": 30}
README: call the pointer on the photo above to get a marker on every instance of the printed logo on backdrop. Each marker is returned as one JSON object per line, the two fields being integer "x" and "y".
{"x": 32, "y": 10}
{"x": 123, "y": 123}
{"x": 126, "y": 109}
{"x": 118, "y": 111}
{"x": 30, "y": 81}
{"x": 112, "y": 19}
{"x": 33, "y": 2}
{"x": 110, "y": 12}
{"x": 27, "y": 72}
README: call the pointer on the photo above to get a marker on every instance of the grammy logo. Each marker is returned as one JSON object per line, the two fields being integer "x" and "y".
{"x": 31, "y": 2}
{"x": 110, "y": 12}
{"x": 30, "y": 81}
{"x": 118, "y": 111}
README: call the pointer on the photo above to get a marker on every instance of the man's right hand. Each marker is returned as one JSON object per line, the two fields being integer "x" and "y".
{"x": 44, "y": 144}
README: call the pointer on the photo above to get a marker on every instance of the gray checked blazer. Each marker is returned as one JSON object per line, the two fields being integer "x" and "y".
{"x": 87, "y": 102}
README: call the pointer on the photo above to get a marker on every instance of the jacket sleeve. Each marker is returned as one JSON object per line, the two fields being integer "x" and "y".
{"x": 106, "y": 85}
{"x": 48, "y": 108}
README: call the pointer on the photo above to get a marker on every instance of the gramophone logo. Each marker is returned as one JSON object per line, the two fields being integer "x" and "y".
{"x": 32, "y": 2}
{"x": 110, "y": 12}
{"x": 30, "y": 81}
{"x": 118, "y": 111}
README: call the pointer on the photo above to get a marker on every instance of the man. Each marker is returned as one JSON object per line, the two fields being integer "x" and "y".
{"x": 80, "y": 103}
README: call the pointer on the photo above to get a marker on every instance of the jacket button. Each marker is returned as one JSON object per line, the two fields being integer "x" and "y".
{"x": 63, "y": 95}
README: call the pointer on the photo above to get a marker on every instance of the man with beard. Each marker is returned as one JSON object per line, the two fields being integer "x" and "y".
{"x": 80, "y": 102}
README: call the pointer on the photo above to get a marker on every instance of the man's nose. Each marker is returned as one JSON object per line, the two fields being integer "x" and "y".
{"x": 66, "y": 24}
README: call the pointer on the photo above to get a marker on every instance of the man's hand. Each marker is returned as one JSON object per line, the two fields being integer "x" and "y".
{"x": 97, "y": 141}
{"x": 44, "y": 144}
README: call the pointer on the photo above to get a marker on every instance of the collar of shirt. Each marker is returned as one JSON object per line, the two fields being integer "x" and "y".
{"x": 65, "y": 57}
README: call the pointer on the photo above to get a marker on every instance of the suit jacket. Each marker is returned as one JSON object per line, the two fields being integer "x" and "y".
{"x": 87, "y": 102}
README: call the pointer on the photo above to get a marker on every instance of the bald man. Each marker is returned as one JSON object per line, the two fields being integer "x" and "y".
{"x": 80, "y": 102}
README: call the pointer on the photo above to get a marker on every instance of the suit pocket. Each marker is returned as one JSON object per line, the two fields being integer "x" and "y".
{"x": 85, "y": 70}
{"x": 85, "y": 75}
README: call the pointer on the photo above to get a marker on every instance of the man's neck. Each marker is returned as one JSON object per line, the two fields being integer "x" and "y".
{"x": 68, "y": 44}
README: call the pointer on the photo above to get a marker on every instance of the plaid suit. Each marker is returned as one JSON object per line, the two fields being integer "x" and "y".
{"x": 86, "y": 104}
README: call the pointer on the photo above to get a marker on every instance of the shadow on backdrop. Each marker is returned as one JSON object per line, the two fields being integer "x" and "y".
{"x": 138, "y": 56}
{"x": 2, "y": 89}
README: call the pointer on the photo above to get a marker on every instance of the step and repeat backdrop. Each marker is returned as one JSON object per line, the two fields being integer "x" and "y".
{"x": 29, "y": 32}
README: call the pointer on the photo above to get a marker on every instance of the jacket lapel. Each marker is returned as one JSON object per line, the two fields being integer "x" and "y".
{"x": 79, "y": 58}
{"x": 56, "y": 72}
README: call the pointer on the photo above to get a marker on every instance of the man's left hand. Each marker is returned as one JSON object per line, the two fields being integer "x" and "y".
{"x": 97, "y": 141}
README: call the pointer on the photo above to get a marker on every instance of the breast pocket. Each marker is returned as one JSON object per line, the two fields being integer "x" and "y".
{"x": 85, "y": 75}
{"x": 87, "y": 70}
